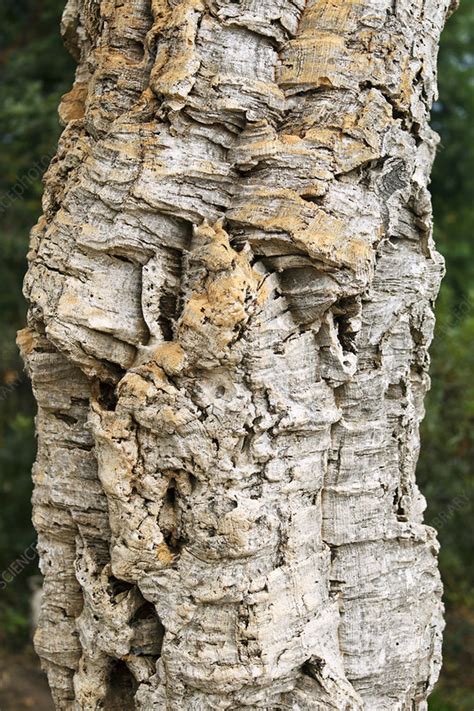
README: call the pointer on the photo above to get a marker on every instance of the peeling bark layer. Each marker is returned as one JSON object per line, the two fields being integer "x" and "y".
{"x": 231, "y": 293}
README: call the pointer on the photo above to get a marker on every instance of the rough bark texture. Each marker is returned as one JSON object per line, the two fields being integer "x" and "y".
{"x": 231, "y": 295}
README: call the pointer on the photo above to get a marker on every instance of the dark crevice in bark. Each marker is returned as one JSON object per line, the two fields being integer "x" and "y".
{"x": 107, "y": 396}
{"x": 67, "y": 419}
{"x": 168, "y": 314}
{"x": 169, "y": 518}
{"x": 397, "y": 112}
{"x": 116, "y": 586}
{"x": 122, "y": 687}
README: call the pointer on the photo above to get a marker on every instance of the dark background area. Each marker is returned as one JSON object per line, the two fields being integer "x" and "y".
{"x": 34, "y": 71}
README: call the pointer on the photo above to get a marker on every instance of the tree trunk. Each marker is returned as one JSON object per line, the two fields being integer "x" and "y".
{"x": 231, "y": 294}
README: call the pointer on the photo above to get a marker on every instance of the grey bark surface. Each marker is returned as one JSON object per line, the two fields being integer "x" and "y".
{"x": 231, "y": 292}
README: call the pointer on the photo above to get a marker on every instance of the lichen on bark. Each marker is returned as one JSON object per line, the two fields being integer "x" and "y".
{"x": 231, "y": 292}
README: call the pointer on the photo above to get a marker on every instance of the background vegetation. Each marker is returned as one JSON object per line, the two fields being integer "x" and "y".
{"x": 34, "y": 71}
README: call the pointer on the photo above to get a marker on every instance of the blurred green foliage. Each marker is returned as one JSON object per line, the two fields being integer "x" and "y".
{"x": 34, "y": 71}
{"x": 445, "y": 471}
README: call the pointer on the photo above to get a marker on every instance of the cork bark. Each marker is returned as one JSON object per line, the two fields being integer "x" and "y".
{"x": 231, "y": 292}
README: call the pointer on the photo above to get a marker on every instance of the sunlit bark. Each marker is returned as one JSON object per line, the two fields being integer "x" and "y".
{"x": 231, "y": 295}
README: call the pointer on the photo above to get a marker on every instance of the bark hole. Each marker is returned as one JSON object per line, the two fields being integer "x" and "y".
{"x": 121, "y": 689}
{"x": 343, "y": 313}
{"x": 145, "y": 612}
{"x": 398, "y": 507}
{"x": 316, "y": 199}
{"x": 313, "y": 667}
{"x": 168, "y": 312}
{"x": 136, "y": 49}
{"x": 107, "y": 396}
{"x": 168, "y": 518}
{"x": 148, "y": 631}
{"x": 116, "y": 586}
{"x": 68, "y": 419}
